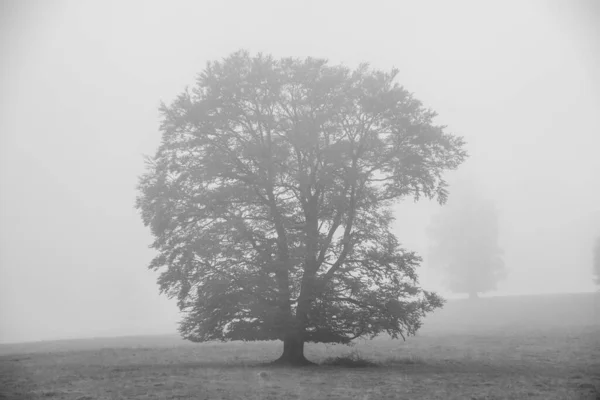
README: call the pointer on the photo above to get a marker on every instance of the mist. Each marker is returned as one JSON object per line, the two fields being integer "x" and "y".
{"x": 82, "y": 82}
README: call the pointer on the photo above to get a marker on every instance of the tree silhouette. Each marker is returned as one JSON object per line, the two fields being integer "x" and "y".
{"x": 269, "y": 199}
{"x": 464, "y": 242}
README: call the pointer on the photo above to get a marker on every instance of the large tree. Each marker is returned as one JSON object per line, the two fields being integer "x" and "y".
{"x": 464, "y": 242}
{"x": 269, "y": 199}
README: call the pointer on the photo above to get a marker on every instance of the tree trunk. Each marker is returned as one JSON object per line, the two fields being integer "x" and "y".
{"x": 293, "y": 352}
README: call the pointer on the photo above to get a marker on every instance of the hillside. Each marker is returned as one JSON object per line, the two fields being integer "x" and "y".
{"x": 518, "y": 312}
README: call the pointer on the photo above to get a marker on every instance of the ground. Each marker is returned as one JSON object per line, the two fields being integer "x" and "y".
{"x": 529, "y": 356}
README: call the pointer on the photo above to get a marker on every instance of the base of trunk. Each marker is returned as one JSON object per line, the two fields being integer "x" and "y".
{"x": 293, "y": 354}
{"x": 296, "y": 362}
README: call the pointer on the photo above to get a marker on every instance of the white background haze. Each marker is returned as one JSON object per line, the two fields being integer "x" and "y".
{"x": 81, "y": 83}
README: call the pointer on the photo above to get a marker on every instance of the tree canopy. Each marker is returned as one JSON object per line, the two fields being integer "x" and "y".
{"x": 270, "y": 197}
{"x": 464, "y": 242}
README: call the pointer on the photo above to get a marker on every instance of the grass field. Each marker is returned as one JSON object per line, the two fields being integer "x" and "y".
{"x": 537, "y": 347}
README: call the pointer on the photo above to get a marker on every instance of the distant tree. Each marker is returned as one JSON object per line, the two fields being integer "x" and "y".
{"x": 464, "y": 242}
{"x": 596, "y": 265}
{"x": 270, "y": 202}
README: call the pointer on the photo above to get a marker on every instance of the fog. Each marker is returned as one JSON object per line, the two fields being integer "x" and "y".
{"x": 82, "y": 81}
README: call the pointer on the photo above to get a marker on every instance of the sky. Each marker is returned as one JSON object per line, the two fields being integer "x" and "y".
{"x": 81, "y": 85}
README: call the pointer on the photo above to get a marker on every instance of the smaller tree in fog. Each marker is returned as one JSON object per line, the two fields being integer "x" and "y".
{"x": 596, "y": 265}
{"x": 464, "y": 242}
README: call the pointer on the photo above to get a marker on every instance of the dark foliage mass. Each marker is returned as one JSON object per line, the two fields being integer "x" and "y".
{"x": 269, "y": 200}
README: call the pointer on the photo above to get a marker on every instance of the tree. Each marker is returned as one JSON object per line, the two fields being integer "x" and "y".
{"x": 269, "y": 200}
{"x": 464, "y": 242}
{"x": 596, "y": 265}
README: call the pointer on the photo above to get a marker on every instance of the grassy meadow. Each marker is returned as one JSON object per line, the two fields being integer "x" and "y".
{"x": 527, "y": 347}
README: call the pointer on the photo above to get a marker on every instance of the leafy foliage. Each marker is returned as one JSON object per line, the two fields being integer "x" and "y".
{"x": 464, "y": 238}
{"x": 269, "y": 200}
